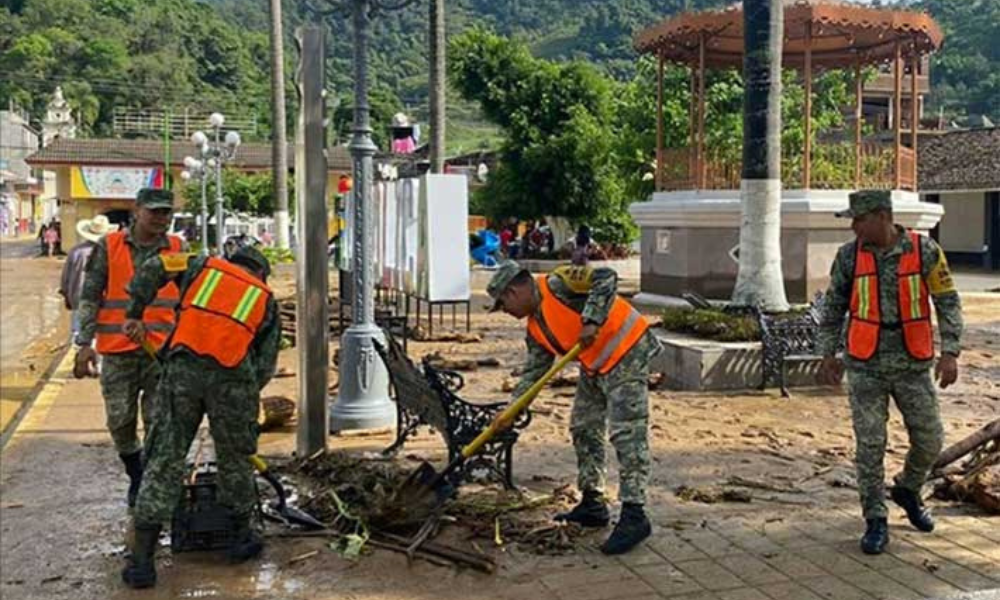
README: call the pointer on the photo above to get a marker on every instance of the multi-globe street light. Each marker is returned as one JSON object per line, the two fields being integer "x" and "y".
{"x": 213, "y": 156}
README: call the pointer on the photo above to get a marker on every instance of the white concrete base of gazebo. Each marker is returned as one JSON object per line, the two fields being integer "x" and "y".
{"x": 690, "y": 238}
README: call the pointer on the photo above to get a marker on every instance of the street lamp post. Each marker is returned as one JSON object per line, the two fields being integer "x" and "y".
{"x": 214, "y": 156}
{"x": 363, "y": 397}
{"x": 197, "y": 169}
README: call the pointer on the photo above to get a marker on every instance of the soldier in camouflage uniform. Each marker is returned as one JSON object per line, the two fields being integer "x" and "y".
{"x": 884, "y": 357}
{"x": 197, "y": 381}
{"x": 128, "y": 379}
{"x": 615, "y": 400}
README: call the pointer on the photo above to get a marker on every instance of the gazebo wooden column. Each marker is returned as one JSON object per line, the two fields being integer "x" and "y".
{"x": 658, "y": 176}
{"x": 692, "y": 154}
{"x": 700, "y": 172}
{"x": 858, "y": 120}
{"x": 914, "y": 112}
{"x": 807, "y": 111}
{"x": 897, "y": 116}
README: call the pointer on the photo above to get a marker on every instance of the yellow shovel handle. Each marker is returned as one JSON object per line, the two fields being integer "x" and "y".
{"x": 149, "y": 348}
{"x": 516, "y": 407}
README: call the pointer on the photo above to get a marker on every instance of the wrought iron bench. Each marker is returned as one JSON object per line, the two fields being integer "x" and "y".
{"x": 788, "y": 339}
{"x": 428, "y": 396}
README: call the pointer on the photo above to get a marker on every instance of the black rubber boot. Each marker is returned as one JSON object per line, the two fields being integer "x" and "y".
{"x": 133, "y": 468}
{"x": 247, "y": 543}
{"x": 918, "y": 515}
{"x": 590, "y": 512}
{"x": 876, "y": 536}
{"x": 633, "y": 527}
{"x": 140, "y": 571}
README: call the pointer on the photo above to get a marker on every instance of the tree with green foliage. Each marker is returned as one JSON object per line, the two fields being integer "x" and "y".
{"x": 152, "y": 54}
{"x": 251, "y": 193}
{"x": 558, "y": 157}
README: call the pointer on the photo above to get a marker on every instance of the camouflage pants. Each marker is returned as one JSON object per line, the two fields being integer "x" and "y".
{"x": 190, "y": 390}
{"x": 128, "y": 381}
{"x": 619, "y": 402}
{"x": 916, "y": 398}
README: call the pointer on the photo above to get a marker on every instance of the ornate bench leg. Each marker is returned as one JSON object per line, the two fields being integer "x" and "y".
{"x": 784, "y": 386}
{"x": 508, "y": 466}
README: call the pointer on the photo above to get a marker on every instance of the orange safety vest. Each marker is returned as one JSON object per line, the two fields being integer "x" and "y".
{"x": 158, "y": 316}
{"x": 914, "y": 306}
{"x": 559, "y": 329}
{"x": 221, "y": 312}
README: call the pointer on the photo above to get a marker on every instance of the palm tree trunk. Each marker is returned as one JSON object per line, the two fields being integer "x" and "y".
{"x": 759, "y": 281}
{"x": 437, "y": 84}
{"x": 279, "y": 144}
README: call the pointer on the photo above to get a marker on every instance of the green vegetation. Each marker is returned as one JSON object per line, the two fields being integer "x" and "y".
{"x": 243, "y": 192}
{"x": 129, "y": 53}
{"x": 214, "y": 53}
{"x": 712, "y": 324}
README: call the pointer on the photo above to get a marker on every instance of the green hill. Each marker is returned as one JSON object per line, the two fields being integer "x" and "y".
{"x": 214, "y": 53}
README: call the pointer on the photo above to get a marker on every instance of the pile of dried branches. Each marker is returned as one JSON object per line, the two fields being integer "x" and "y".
{"x": 355, "y": 496}
{"x": 977, "y": 478}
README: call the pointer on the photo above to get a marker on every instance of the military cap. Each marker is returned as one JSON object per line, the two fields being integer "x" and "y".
{"x": 253, "y": 258}
{"x": 153, "y": 198}
{"x": 866, "y": 201}
{"x": 505, "y": 273}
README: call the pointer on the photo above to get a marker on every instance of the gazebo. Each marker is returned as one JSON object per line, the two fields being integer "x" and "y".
{"x": 696, "y": 190}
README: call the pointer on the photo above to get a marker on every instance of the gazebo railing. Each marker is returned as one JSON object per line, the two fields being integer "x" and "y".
{"x": 833, "y": 166}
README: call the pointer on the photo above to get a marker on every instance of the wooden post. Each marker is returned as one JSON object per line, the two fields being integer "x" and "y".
{"x": 701, "y": 111}
{"x": 897, "y": 109}
{"x": 658, "y": 179}
{"x": 914, "y": 113}
{"x": 807, "y": 110}
{"x": 692, "y": 154}
{"x": 858, "y": 120}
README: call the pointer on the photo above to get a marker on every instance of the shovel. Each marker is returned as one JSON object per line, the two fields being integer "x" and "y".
{"x": 426, "y": 489}
{"x": 289, "y": 513}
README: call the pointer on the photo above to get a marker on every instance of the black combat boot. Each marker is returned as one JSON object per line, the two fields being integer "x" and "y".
{"x": 590, "y": 512}
{"x": 876, "y": 536}
{"x": 133, "y": 468}
{"x": 247, "y": 543}
{"x": 918, "y": 515}
{"x": 140, "y": 571}
{"x": 632, "y": 528}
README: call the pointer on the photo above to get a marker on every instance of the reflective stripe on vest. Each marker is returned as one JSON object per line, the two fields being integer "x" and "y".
{"x": 221, "y": 312}
{"x": 914, "y": 305}
{"x": 560, "y": 326}
{"x": 159, "y": 314}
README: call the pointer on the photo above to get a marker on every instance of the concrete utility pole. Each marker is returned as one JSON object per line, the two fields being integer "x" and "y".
{"x": 312, "y": 283}
{"x": 436, "y": 25}
{"x": 279, "y": 132}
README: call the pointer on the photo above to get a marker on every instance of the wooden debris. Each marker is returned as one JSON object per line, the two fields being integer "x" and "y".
{"x": 420, "y": 334}
{"x": 712, "y": 494}
{"x": 990, "y": 431}
{"x": 302, "y": 557}
{"x": 977, "y": 479}
{"x": 756, "y": 484}
{"x": 277, "y": 411}
{"x": 440, "y": 362}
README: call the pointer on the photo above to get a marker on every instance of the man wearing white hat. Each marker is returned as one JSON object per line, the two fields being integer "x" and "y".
{"x": 91, "y": 231}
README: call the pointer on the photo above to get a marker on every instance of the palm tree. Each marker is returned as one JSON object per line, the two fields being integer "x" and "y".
{"x": 279, "y": 145}
{"x": 437, "y": 84}
{"x": 759, "y": 280}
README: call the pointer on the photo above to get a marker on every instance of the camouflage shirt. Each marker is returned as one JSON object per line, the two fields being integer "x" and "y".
{"x": 891, "y": 354}
{"x": 263, "y": 356}
{"x": 95, "y": 281}
{"x": 593, "y": 304}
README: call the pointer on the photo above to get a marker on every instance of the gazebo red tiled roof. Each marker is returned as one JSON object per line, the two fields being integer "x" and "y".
{"x": 841, "y": 33}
